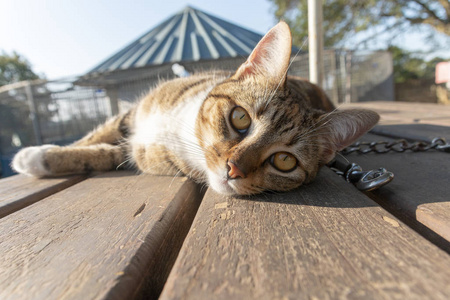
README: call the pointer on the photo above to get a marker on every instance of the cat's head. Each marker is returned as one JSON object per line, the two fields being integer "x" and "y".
{"x": 259, "y": 134}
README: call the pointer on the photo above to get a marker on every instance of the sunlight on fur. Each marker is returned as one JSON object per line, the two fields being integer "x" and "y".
{"x": 185, "y": 127}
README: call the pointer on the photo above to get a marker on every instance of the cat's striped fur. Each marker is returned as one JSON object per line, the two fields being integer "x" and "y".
{"x": 185, "y": 126}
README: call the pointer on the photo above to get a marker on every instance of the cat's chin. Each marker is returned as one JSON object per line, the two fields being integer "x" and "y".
{"x": 223, "y": 188}
{"x": 220, "y": 185}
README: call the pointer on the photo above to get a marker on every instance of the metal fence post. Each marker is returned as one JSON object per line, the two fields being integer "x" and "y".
{"x": 332, "y": 73}
{"x": 348, "y": 77}
{"x": 33, "y": 113}
{"x": 315, "y": 34}
{"x": 111, "y": 92}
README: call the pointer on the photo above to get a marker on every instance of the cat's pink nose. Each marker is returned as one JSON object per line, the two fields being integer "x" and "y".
{"x": 234, "y": 171}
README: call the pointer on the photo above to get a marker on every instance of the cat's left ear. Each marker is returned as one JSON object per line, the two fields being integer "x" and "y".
{"x": 270, "y": 58}
{"x": 342, "y": 128}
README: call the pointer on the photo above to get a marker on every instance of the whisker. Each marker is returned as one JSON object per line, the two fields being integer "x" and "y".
{"x": 124, "y": 162}
{"x": 340, "y": 154}
{"x": 285, "y": 73}
{"x": 191, "y": 130}
{"x": 176, "y": 175}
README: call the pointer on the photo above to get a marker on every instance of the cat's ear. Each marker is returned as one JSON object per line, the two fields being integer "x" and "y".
{"x": 270, "y": 58}
{"x": 344, "y": 127}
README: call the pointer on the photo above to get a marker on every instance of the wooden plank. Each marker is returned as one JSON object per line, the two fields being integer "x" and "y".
{"x": 108, "y": 237}
{"x": 19, "y": 191}
{"x": 395, "y": 112}
{"x": 413, "y": 132}
{"x": 324, "y": 241}
{"x": 419, "y": 193}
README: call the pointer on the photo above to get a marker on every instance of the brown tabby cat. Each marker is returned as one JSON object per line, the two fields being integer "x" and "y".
{"x": 257, "y": 130}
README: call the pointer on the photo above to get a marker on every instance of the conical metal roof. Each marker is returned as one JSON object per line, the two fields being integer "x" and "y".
{"x": 189, "y": 35}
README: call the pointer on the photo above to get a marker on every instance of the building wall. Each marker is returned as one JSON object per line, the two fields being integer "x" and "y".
{"x": 349, "y": 76}
{"x": 416, "y": 91}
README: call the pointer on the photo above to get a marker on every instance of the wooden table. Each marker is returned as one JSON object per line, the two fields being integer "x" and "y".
{"x": 121, "y": 236}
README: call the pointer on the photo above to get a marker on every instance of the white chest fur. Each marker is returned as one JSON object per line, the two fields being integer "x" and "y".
{"x": 174, "y": 129}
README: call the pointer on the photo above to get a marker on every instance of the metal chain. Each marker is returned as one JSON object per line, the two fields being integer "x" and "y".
{"x": 374, "y": 179}
{"x": 397, "y": 146}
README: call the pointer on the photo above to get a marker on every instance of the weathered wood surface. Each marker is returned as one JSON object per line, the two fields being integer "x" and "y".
{"x": 107, "y": 237}
{"x": 324, "y": 241}
{"x": 394, "y": 112}
{"x": 19, "y": 191}
{"x": 413, "y": 132}
{"x": 420, "y": 190}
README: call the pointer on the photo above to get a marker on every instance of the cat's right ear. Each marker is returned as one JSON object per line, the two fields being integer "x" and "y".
{"x": 270, "y": 58}
{"x": 342, "y": 128}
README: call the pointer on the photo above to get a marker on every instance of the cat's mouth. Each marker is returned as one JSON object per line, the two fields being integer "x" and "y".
{"x": 225, "y": 188}
{"x": 221, "y": 184}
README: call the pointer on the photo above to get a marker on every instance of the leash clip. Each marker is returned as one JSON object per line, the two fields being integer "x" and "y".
{"x": 363, "y": 180}
{"x": 368, "y": 180}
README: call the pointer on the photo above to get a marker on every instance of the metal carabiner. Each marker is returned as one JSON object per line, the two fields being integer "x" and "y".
{"x": 368, "y": 180}
{"x": 363, "y": 180}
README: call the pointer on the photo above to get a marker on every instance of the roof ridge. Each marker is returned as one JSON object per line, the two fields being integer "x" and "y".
{"x": 189, "y": 35}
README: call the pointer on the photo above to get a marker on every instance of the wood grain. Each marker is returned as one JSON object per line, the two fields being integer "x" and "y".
{"x": 413, "y": 132}
{"x": 107, "y": 237}
{"x": 324, "y": 241}
{"x": 420, "y": 190}
{"x": 19, "y": 191}
{"x": 395, "y": 112}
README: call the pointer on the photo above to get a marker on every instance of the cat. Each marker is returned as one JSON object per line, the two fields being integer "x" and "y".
{"x": 254, "y": 131}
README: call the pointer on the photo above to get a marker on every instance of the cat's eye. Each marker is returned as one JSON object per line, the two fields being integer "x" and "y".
{"x": 284, "y": 161}
{"x": 240, "y": 119}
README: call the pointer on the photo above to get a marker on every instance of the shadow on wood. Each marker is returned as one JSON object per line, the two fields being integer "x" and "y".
{"x": 160, "y": 248}
{"x": 418, "y": 195}
{"x": 318, "y": 193}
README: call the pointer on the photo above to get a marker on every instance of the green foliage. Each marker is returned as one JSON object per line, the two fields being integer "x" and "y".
{"x": 14, "y": 68}
{"x": 344, "y": 18}
{"x": 14, "y": 109}
{"x": 408, "y": 66}
{"x": 339, "y": 18}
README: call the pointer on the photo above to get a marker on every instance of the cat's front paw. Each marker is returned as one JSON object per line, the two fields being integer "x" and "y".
{"x": 30, "y": 161}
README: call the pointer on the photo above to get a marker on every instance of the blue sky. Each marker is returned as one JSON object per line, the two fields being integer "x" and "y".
{"x": 68, "y": 37}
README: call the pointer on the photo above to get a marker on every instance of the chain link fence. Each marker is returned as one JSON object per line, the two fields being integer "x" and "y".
{"x": 61, "y": 111}
{"x": 349, "y": 76}
{"x": 47, "y": 112}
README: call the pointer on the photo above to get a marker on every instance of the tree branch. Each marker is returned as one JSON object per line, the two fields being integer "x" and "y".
{"x": 437, "y": 24}
{"x": 428, "y": 10}
{"x": 386, "y": 29}
{"x": 446, "y": 5}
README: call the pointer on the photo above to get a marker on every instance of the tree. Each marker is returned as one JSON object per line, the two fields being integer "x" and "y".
{"x": 14, "y": 68}
{"x": 342, "y": 19}
{"x": 435, "y": 13}
{"x": 408, "y": 66}
{"x": 14, "y": 108}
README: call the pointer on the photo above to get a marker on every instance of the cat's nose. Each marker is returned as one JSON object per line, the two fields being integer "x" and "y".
{"x": 234, "y": 172}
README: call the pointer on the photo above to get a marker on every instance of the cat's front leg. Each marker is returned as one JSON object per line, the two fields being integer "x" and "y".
{"x": 50, "y": 160}
{"x": 31, "y": 161}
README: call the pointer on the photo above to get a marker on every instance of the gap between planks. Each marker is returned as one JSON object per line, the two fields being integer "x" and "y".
{"x": 325, "y": 240}
{"x": 20, "y": 191}
{"x": 112, "y": 236}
